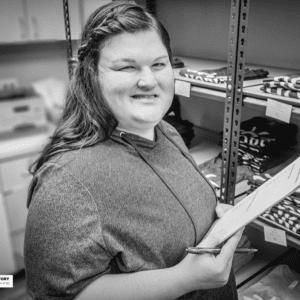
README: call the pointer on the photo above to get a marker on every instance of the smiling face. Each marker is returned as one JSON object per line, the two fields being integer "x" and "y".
{"x": 136, "y": 80}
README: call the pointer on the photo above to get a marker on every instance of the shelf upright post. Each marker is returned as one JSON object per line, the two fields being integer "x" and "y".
{"x": 70, "y": 57}
{"x": 234, "y": 97}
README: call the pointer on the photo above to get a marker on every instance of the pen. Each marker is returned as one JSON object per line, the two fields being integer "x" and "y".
{"x": 198, "y": 250}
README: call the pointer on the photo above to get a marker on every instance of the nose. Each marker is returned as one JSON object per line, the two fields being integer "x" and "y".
{"x": 147, "y": 79}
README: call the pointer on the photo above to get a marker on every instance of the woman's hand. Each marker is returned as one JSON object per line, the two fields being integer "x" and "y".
{"x": 206, "y": 271}
{"x": 222, "y": 208}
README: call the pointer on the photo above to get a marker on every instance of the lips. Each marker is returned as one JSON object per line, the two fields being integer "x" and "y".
{"x": 145, "y": 96}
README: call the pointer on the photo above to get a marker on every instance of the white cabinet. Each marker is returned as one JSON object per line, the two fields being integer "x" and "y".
{"x": 37, "y": 20}
{"x": 46, "y": 19}
{"x": 15, "y": 158}
{"x": 15, "y": 173}
{"x": 7, "y": 261}
{"x": 13, "y": 21}
{"x": 15, "y": 180}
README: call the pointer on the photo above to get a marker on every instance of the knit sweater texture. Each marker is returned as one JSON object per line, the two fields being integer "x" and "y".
{"x": 102, "y": 209}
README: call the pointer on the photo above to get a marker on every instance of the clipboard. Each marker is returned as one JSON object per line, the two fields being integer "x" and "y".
{"x": 267, "y": 195}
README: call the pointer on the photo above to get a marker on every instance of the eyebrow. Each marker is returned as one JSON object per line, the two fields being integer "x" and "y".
{"x": 130, "y": 60}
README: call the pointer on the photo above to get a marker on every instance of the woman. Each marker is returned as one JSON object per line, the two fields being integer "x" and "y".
{"x": 116, "y": 198}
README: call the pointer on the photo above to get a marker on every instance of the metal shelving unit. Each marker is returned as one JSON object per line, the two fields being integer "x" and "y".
{"x": 235, "y": 96}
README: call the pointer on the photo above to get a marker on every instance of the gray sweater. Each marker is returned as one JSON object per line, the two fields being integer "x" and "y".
{"x": 102, "y": 209}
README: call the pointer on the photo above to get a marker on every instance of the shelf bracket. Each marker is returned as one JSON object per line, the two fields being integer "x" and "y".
{"x": 234, "y": 97}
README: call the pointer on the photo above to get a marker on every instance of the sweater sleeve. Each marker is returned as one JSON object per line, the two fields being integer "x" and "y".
{"x": 64, "y": 247}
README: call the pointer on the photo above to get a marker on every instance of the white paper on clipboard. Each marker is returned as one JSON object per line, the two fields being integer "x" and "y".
{"x": 270, "y": 193}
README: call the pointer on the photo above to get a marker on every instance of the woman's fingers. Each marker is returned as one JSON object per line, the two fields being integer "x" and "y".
{"x": 222, "y": 208}
{"x": 230, "y": 245}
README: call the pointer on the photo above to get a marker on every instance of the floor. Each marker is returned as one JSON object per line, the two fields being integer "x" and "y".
{"x": 18, "y": 292}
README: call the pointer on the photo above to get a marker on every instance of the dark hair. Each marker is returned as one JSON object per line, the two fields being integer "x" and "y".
{"x": 86, "y": 118}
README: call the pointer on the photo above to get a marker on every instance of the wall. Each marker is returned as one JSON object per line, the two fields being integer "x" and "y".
{"x": 31, "y": 62}
{"x": 209, "y": 114}
{"x": 199, "y": 28}
{"x": 38, "y": 60}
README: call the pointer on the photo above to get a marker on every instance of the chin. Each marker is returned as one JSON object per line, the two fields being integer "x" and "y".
{"x": 151, "y": 119}
{"x": 150, "y": 116}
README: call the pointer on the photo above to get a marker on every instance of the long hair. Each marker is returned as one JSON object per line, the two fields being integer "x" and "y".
{"x": 86, "y": 118}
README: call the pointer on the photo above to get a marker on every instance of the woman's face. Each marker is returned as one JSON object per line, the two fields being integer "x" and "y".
{"x": 136, "y": 79}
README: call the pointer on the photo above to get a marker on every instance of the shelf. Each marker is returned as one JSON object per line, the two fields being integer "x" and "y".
{"x": 259, "y": 224}
{"x": 262, "y": 261}
{"x": 255, "y": 92}
{"x": 260, "y": 104}
{"x": 202, "y": 64}
{"x": 33, "y": 42}
{"x": 261, "y": 267}
{"x": 258, "y": 267}
{"x": 254, "y": 98}
{"x": 205, "y": 145}
{"x": 208, "y": 93}
{"x": 291, "y": 241}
